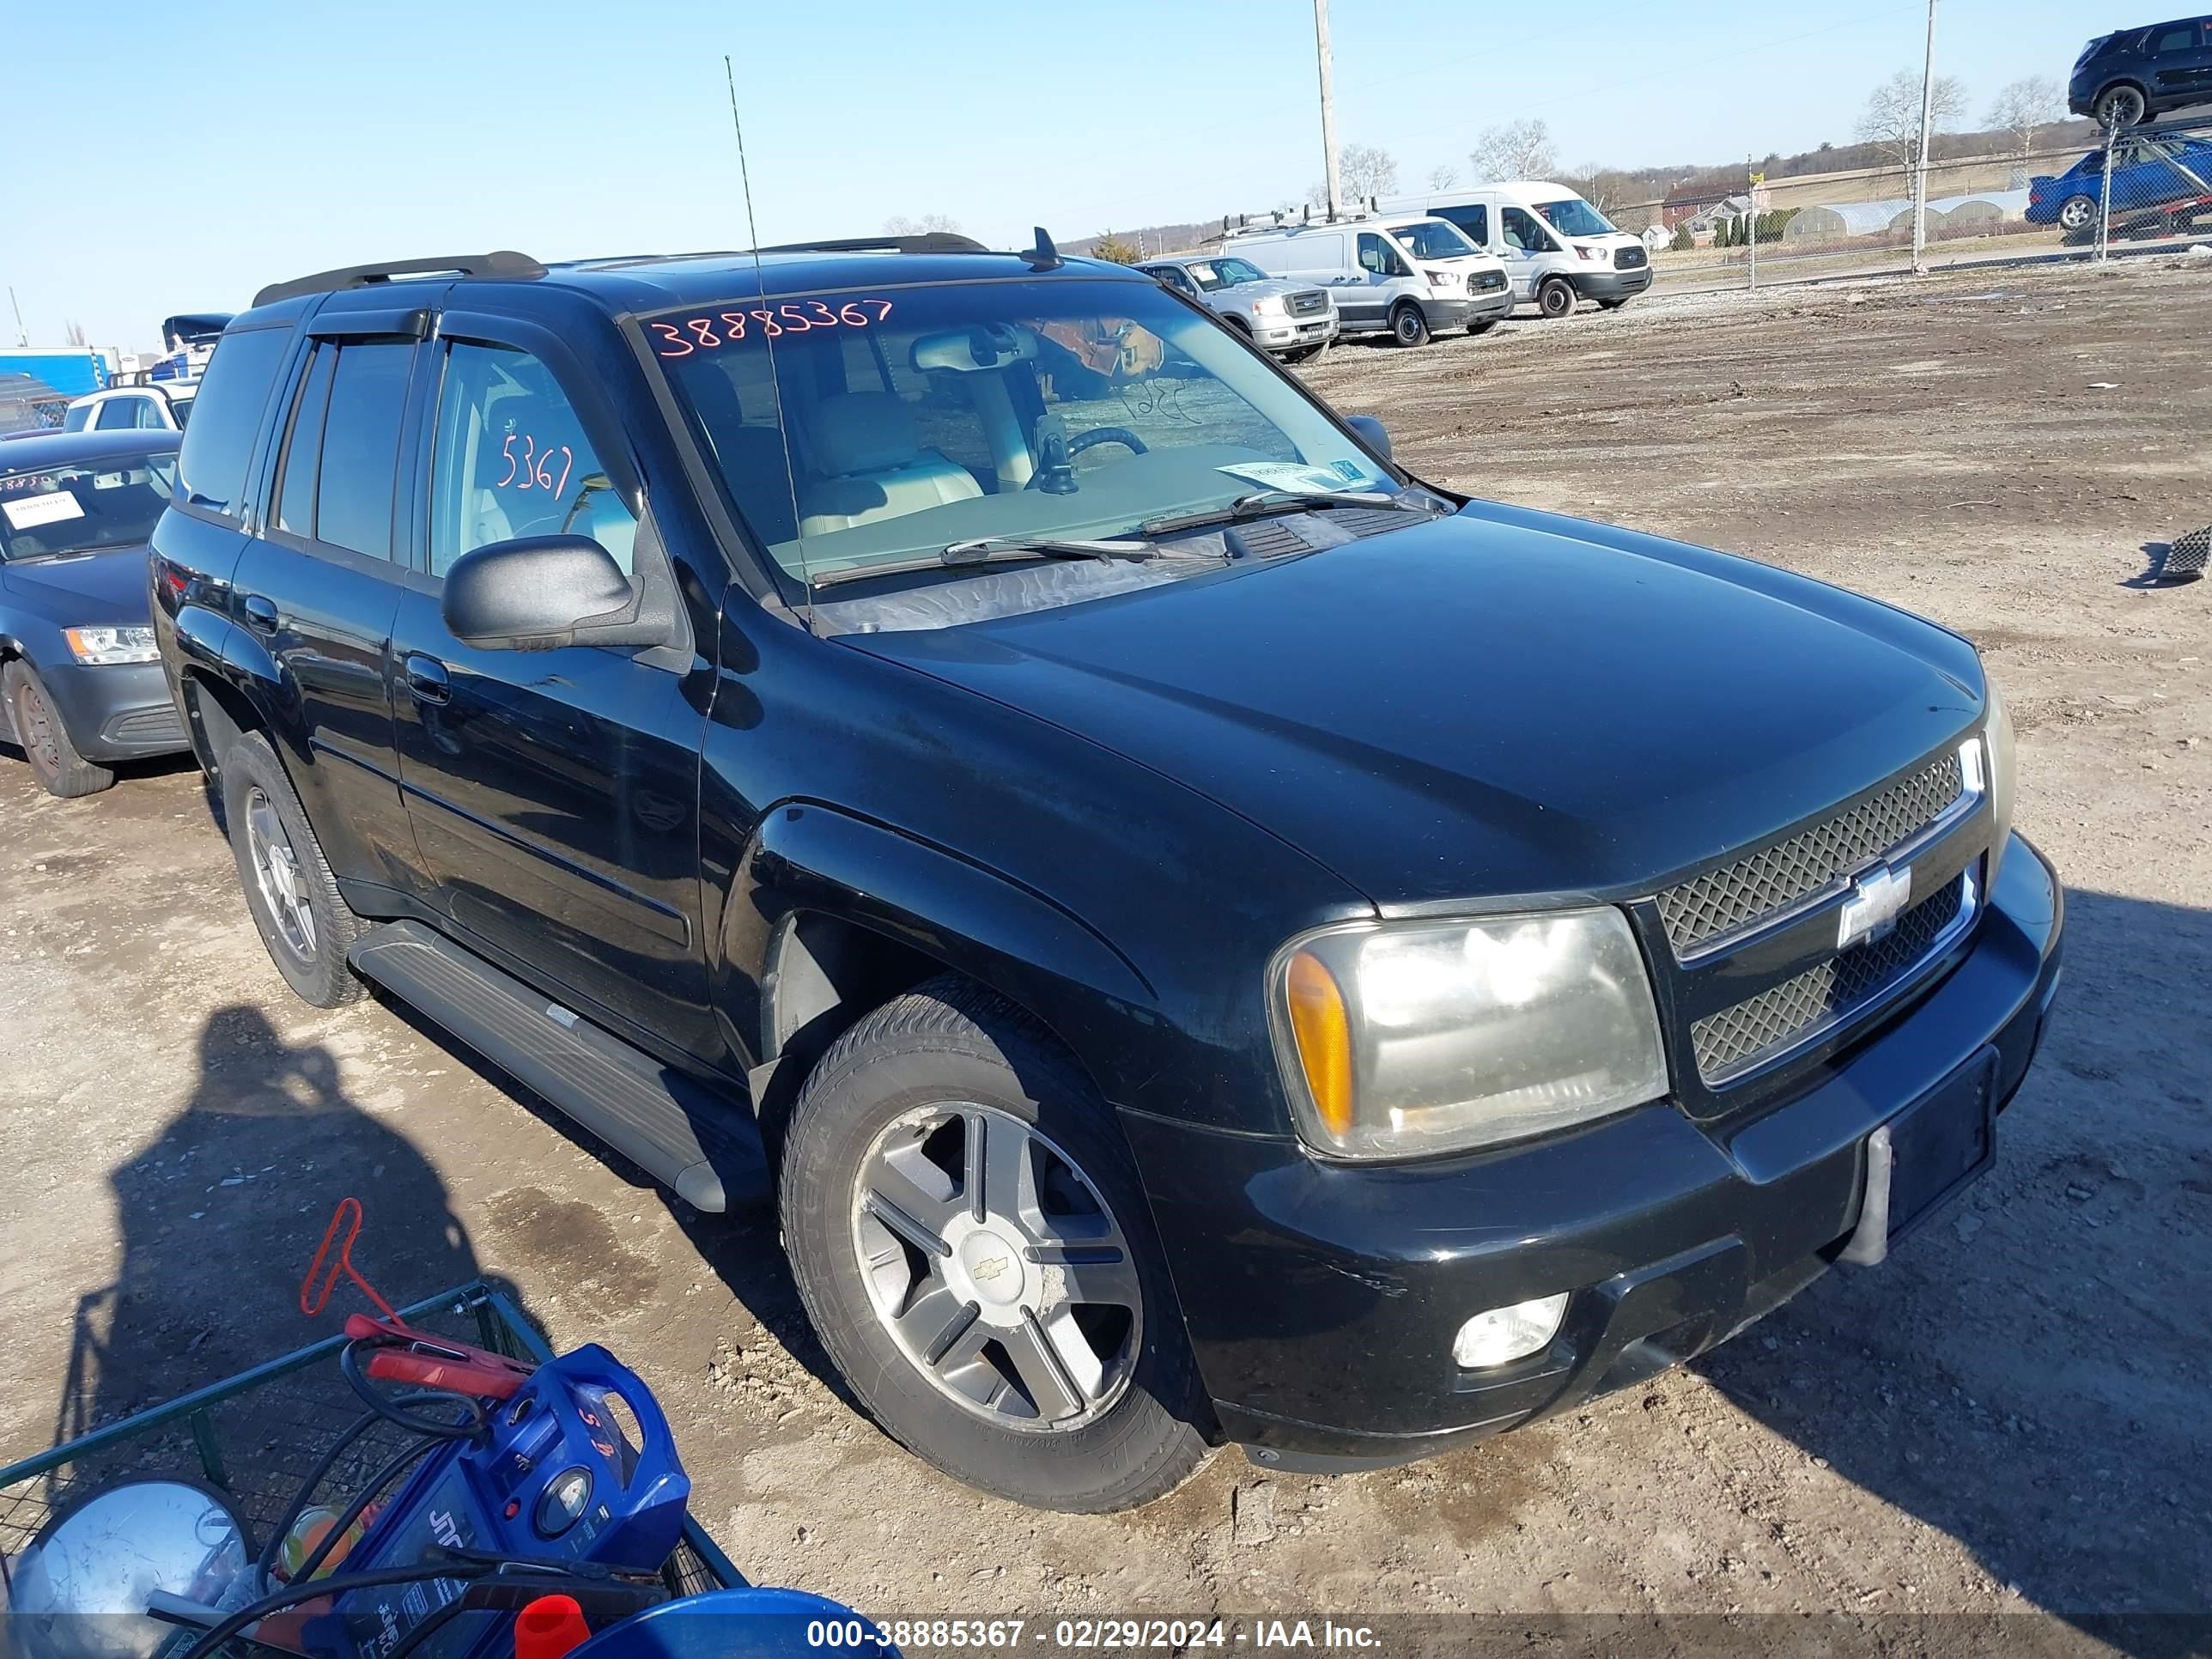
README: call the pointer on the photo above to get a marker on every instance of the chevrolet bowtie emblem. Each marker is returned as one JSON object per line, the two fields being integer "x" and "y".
{"x": 990, "y": 1268}
{"x": 1876, "y": 900}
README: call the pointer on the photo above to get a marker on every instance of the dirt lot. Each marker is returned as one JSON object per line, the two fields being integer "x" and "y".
{"x": 2002, "y": 1418}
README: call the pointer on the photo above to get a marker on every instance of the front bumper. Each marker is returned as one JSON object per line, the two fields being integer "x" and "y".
{"x": 1290, "y": 337}
{"x": 1612, "y": 284}
{"x": 1451, "y": 313}
{"x": 117, "y": 712}
{"x": 1321, "y": 1298}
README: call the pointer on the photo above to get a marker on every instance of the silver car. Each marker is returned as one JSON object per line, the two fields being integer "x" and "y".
{"x": 1294, "y": 321}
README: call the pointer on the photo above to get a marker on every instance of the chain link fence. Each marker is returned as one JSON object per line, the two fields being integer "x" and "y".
{"x": 2141, "y": 187}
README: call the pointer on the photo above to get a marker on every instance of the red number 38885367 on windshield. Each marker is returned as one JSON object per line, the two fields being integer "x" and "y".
{"x": 718, "y": 329}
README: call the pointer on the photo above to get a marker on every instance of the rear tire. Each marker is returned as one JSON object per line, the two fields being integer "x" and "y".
{"x": 2077, "y": 218}
{"x": 61, "y": 772}
{"x": 919, "y": 1123}
{"x": 1409, "y": 326}
{"x": 1556, "y": 298}
{"x": 289, "y": 889}
{"x": 2121, "y": 107}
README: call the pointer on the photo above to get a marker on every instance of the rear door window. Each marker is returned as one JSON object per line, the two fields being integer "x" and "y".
{"x": 118, "y": 414}
{"x": 297, "y": 468}
{"x": 226, "y": 417}
{"x": 2183, "y": 39}
{"x": 360, "y": 461}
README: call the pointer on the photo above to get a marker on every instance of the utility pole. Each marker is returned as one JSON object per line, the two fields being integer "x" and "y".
{"x": 1920, "y": 165}
{"x": 1328, "y": 104}
{"x": 21, "y": 338}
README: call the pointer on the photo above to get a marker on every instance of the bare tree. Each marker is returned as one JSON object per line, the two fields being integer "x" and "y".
{"x": 1518, "y": 150}
{"x": 1365, "y": 170}
{"x": 1891, "y": 121}
{"x": 2026, "y": 106}
{"x": 74, "y": 334}
{"x": 928, "y": 224}
{"x": 1442, "y": 176}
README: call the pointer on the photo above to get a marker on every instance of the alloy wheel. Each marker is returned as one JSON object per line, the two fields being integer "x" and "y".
{"x": 35, "y": 726}
{"x": 2077, "y": 214}
{"x": 276, "y": 872}
{"x": 994, "y": 1264}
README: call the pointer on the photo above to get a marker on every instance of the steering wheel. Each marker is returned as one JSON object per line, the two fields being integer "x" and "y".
{"x": 1105, "y": 434}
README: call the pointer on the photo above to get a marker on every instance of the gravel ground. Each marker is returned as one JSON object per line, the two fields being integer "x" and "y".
{"x": 2009, "y": 1416}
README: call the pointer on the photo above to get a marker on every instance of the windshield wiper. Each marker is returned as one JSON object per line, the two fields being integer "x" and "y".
{"x": 999, "y": 550}
{"x": 983, "y": 548}
{"x": 1264, "y": 501}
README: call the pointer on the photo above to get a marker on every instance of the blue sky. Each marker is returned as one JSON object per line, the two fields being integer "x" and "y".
{"x": 293, "y": 137}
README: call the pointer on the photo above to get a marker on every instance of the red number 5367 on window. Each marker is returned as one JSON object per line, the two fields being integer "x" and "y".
{"x": 718, "y": 329}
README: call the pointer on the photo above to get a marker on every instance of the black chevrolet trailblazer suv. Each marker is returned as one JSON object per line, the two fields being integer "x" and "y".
{"x": 1209, "y": 938}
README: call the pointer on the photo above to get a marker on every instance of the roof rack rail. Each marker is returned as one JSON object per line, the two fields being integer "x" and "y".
{"x": 933, "y": 241}
{"x": 500, "y": 262}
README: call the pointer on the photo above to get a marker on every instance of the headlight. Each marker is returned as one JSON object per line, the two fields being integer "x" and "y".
{"x": 1273, "y": 305}
{"x": 2004, "y": 769}
{"x": 1441, "y": 279}
{"x": 1407, "y": 1040}
{"x": 1583, "y": 252}
{"x": 111, "y": 645}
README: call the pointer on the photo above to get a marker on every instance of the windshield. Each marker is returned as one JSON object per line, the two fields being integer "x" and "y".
{"x": 1432, "y": 239}
{"x": 919, "y": 417}
{"x": 81, "y": 509}
{"x": 1576, "y": 218}
{"x": 1212, "y": 274}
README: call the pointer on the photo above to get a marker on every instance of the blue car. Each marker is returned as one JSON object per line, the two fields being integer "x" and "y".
{"x": 81, "y": 684}
{"x": 2160, "y": 181}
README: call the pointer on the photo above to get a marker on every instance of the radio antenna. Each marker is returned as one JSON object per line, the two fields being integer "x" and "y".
{"x": 768, "y": 339}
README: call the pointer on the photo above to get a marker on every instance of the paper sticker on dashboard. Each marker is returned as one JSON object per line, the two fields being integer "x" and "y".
{"x": 30, "y": 513}
{"x": 1288, "y": 475}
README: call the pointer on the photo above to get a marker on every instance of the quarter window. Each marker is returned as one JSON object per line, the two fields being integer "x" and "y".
{"x": 512, "y": 460}
{"x": 235, "y": 389}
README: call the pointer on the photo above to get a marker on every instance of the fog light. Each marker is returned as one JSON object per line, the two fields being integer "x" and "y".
{"x": 1504, "y": 1334}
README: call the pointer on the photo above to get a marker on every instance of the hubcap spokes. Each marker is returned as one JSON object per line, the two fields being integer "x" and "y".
{"x": 995, "y": 1266}
{"x": 276, "y": 872}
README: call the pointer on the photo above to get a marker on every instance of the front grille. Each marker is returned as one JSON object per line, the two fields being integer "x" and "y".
{"x": 1307, "y": 304}
{"x": 1488, "y": 282}
{"x": 156, "y": 725}
{"x": 1774, "y": 877}
{"x": 1631, "y": 258}
{"x": 1735, "y": 1039}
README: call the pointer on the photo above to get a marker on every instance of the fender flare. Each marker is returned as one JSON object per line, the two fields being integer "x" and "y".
{"x": 806, "y": 859}
{"x": 210, "y": 647}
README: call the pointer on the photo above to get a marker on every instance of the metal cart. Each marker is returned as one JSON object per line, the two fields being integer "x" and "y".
{"x": 257, "y": 1435}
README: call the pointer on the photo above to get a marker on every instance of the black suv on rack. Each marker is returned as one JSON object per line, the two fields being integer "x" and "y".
{"x": 1210, "y": 938}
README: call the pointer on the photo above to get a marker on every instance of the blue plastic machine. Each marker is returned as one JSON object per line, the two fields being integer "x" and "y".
{"x": 557, "y": 1480}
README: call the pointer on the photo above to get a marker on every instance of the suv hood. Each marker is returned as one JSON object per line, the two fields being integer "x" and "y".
{"x": 1496, "y": 703}
{"x": 1273, "y": 287}
{"x": 103, "y": 589}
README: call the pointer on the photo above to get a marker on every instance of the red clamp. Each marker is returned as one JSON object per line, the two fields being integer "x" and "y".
{"x": 404, "y": 1354}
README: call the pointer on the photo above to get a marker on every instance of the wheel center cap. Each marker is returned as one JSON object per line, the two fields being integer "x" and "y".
{"x": 994, "y": 1266}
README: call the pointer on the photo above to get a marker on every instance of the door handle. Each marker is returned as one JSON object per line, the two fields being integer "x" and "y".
{"x": 260, "y": 614}
{"x": 426, "y": 679}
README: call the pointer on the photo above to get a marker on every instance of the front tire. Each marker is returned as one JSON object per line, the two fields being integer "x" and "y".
{"x": 975, "y": 1250}
{"x": 1483, "y": 327}
{"x": 289, "y": 889}
{"x": 61, "y": 772}
{"x": 1409, "y": 326}
{"x": 1556, "y": 298}
{"x": 2121, "y": 107}
{"x": 1312, "y": 353}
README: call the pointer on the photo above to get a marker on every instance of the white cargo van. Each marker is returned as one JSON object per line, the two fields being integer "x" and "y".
{"x": 1558, "y": 248}
{"x": 1407, "y": 275}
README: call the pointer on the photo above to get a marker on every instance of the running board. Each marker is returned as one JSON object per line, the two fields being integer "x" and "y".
{"x": 705, "y": 1146}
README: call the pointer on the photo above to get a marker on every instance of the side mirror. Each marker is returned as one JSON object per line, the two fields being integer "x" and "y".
{"x": 537, "y": 592}
{"x": 1372, "y": 433}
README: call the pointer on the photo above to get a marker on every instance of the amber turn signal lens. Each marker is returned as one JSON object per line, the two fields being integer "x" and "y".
{"x": 1324, "y": 1030}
